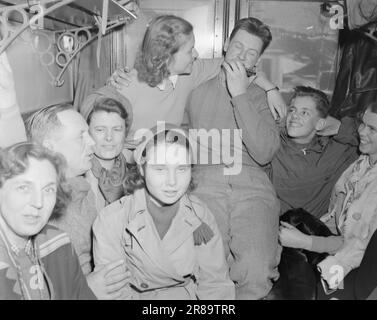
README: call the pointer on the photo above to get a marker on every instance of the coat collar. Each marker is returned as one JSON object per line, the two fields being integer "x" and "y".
{"x": 317, "y": 145}
{"x": 142, "y": 227}
{"x": 173, "y": 79}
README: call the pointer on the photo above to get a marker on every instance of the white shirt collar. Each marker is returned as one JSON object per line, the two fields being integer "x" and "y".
{"x": 172, "y": 79}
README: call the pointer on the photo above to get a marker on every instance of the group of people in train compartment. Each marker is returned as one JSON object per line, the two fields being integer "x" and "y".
{"x": 172, "y": 181}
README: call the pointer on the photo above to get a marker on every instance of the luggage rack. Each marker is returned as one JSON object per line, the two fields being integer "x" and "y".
{"x": 103, "y": 16}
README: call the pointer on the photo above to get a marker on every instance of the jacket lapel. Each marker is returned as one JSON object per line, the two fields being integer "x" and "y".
{"x": 182, "y": 227}
{"x": 142, "y": 228}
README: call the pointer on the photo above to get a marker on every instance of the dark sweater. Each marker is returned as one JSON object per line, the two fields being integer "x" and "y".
{"x": 304, "y": 175}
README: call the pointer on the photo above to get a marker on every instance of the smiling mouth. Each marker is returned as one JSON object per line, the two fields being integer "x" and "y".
{"x": 32, "y": 219}
{"x": 294, "y": 124}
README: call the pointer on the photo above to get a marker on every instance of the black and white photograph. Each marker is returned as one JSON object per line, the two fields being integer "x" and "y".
{"x": 201, "y": 151}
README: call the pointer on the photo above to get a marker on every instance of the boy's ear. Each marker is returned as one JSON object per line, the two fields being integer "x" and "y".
{"x": 321, "y": 123}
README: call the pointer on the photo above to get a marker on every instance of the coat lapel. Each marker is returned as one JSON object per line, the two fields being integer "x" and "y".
{"x": 182, "y": 227}
{"x": 142, "y": 228}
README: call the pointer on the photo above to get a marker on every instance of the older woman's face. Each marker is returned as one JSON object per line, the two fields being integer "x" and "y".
{"x": 183, "y": 60}
{"x": 108, "y": 130}
{"x": 27, "y": 200}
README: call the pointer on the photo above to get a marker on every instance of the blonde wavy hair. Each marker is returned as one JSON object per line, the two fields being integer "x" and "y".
{"x": 163, "y": 38}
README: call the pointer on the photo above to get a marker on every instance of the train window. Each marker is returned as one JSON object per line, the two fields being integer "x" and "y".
{"x": 305, "y": 42}
{"x": 201, "y": 13}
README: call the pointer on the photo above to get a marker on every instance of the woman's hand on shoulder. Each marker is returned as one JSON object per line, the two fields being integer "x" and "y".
{"x": 120, "y": 78}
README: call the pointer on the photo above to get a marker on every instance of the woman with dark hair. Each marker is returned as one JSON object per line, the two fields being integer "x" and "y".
{"x": 109, "y": 121}
{"x": 167, "y": 237}
{"x": 37, "y": 261}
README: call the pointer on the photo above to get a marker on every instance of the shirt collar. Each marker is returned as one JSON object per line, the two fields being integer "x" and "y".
{"x": 173, "y": 79}
{"x": 317, "y": 144}
{"x": 140, "y": 205}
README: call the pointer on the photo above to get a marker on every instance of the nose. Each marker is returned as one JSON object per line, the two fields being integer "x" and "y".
{"x": 109, "y": 135}
{"x": 171, "y": 179}
{"x": 242, "y": 55}
{"x": 294, "y": 114}
{"x": 37, "y": 199}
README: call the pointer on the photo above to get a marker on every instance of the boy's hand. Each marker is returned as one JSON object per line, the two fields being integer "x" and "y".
{"x": 275, "y": 100}
{"x": 277, "y": 105}
{"x": 331, "y": 127}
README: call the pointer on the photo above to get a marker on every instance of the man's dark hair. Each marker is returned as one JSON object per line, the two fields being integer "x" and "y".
{"x": 254, "y": 27}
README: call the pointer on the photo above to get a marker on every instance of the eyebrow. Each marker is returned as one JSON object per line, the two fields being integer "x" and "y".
{"x": 304, "y": 108}
{"x": 31, "y": 182}
{"x": 52, "y": 183}
{"x": 23, "y": 181}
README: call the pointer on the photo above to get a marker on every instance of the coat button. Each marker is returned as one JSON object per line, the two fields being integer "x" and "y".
{"x": 144, "y": 285}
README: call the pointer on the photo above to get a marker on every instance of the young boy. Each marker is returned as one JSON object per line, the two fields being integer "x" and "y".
{"x": 308, "y": 164}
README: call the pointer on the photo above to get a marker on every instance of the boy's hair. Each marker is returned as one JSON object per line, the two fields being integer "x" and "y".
{"x": 255, "y": 27}
{"x": 319, "y": 97}
{"x": 45, "y": 122}
{"x": 162, "y": 39}
{"x": 372, "y": 107}
{"x": 14, "y": 161}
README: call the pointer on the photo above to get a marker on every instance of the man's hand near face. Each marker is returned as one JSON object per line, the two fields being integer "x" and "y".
{"x": 236, "y": 78}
